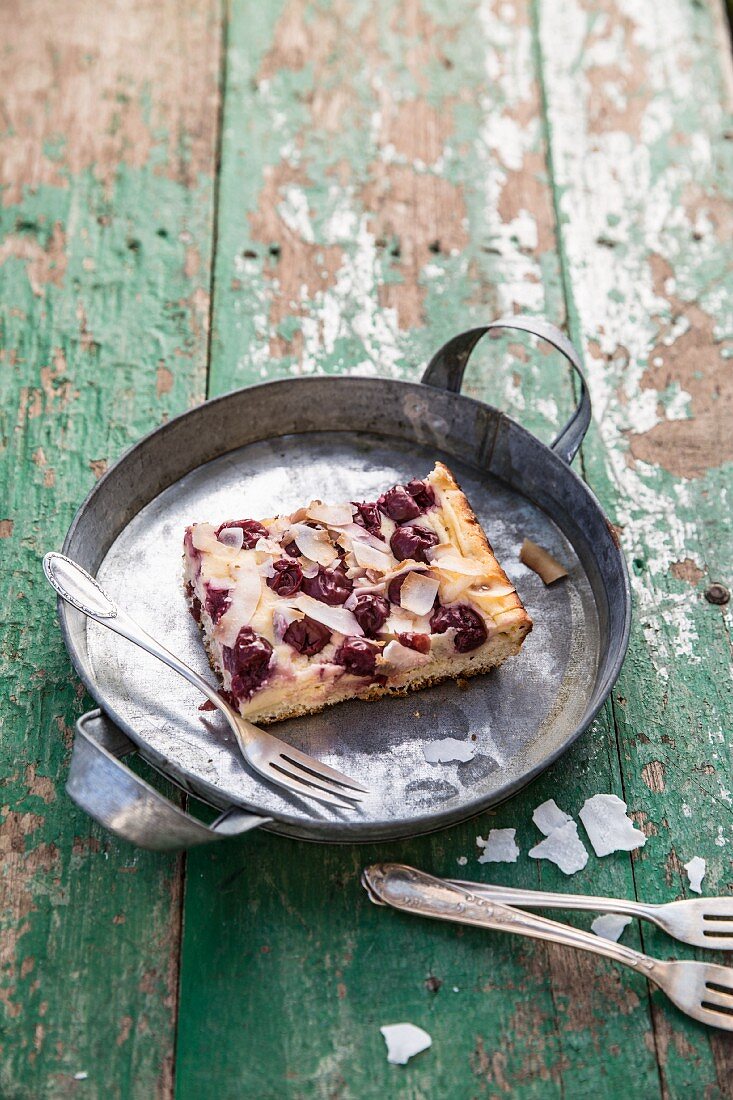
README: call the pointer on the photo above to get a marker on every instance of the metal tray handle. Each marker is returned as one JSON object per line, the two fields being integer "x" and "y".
{"x": 446, "y": 369}
{"x": 128, "y": 806}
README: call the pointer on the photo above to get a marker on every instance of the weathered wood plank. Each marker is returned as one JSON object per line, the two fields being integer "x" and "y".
{"x": 352, "y": 137}
{"x": 108, "y": 118}
{"x": 638, "y": 102}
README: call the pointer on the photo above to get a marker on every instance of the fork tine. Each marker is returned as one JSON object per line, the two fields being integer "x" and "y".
{"x": 721, "y": 993}
{"x": 311, "y": 790}
{"x": 319, "y": 770}
{"x": 312, "y": 780}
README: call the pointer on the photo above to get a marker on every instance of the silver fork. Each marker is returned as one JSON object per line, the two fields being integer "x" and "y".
{"x": 277, "y": 762}
{"x": 703, "y": 922}
{"x": 701, "y": 990}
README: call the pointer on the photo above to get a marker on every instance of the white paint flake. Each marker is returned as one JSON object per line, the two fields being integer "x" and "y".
{"x": 404, "y": 1041}
{"x": 499, "y": 847}
{"x": 610, "y": 926}
{"x": 294, "y": 212}
{"x": 608, "y": 827}
{"x": 81, "y": 1076}
{"x": 448, "y": 749}
{"x": 695, "y": 873}
{"x": 548, "y": 817}
{"x": 564, "y": 848}
{"x": 462, "y": 861}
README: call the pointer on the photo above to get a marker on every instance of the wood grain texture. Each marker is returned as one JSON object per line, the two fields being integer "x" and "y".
{"x": 349, "y": 143}
{"x": 109, "y": 120}
{"x": 639, "y": 120}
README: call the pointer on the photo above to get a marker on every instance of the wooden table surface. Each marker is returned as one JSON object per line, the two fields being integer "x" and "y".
{"x": 194, "y": 200}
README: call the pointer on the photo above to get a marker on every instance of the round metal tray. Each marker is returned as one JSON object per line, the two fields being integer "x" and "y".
{"x": 269, "y": 448}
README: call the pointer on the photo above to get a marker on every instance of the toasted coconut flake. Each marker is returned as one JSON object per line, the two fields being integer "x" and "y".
{"x": 313, "y": 544}
{"x": 244, "y": 599}
{"x": 266, "y": 568}
{"x": 418, "y": 593}
{"x": 352, "y": 531}
{"x": 695, "y": 873}
{"x": 541, "y": 562}
{"x": 335, "y": 618}
{"x": 232, "y": 537}
{"x": 400, "y": 657}
{"x": 370, "y": 558}
{"x": 334, "y": 515}
{"x": 448, "y": 559}
{"x": 499, "y": 847}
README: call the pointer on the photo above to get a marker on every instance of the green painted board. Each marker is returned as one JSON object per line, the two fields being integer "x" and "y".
{"x": 389, "y": 174}
{"x": 324, "y": 263}
{"x": 105, "y": 244}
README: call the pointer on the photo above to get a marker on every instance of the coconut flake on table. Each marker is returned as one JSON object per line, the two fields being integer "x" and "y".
{"x": 400, "y": 657}
{"x": 335, "y": 618}
{"x": 548, "y": 817}
{"x": 243, "y": 600}
{"x": 564, "y": 848}
{"x": 695, "y": 873}
{"x": 404, "y": 1041}
{"x": 313, "y": 544}
{"x": 418, "y": 593}
{"x": 610, "y": 926}
{"x": 334, "y": 515}
{"x": 368, "y": 557}
{"x": 608, "y": 827}
{"x": 448, "y": 749}
{"x": 462, "y": 861}
{"x": 500, "y": 846}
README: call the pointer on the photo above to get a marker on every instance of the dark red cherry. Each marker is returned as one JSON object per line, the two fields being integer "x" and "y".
{"x": 419, "y": 642}
{"x": 287, "y": 579}
{"x": 330, "y": 586}
{"x": 371, "y": 612}
{"x": 292, "y": 550}
{"x": 398, "y": 504}
{"x": 422, "y": 493}
{"x": 367, "y": 515}
{"x": 251, "y": 529}
{"x": 248, "y": 661}
{"x": 357, "y": 656}
{"x": 216, "y": 602}
{"x": 412, "y": 542}
{"x": 469, "y": 626}
{"x": 307, "y": 636}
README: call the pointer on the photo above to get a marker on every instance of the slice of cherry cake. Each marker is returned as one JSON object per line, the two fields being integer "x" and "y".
{"x": 359, "y": 599}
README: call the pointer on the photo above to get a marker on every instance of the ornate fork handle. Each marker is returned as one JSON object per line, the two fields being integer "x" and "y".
{"x": 406, "y": 888}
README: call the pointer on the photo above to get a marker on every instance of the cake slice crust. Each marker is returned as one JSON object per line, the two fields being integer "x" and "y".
{"x": 353, "y": 600}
